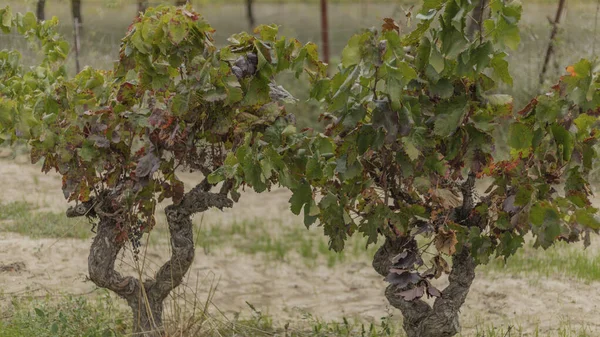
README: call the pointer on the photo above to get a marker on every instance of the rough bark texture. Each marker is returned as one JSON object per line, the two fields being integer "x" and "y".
{"x": 40, "y": 10}
{"x": 146, "y": 298}
{"x": 420, "y": 319}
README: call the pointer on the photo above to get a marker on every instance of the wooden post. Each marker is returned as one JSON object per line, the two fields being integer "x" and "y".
{"x": 40, "y": 10}
{"x": 595, "y": 29}
{"x": 550, "y": 50}
{"x": 76, "y": 41}
{"x": 142, "y": 6}
{"x": 76, "y": 10}
{"x": 324, "y": 31}
{"x": 250, "y": 15}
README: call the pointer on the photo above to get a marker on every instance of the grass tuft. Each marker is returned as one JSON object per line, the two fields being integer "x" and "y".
{"x": 561, "y": 259}
{"x": 279, "y": 242}
{"x": 70, "y": 316}
{"x": 23, "y": 218}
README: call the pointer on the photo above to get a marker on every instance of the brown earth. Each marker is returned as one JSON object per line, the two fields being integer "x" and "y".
{"x": 286, "y": 291}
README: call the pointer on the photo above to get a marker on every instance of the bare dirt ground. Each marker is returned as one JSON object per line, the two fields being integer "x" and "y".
{"x": 284, "y": 290}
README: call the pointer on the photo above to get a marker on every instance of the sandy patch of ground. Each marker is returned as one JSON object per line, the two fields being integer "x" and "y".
{"x": 284, "y": 290}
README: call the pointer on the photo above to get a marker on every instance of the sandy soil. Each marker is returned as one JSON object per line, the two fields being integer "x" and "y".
{"x": 284, "y": 290}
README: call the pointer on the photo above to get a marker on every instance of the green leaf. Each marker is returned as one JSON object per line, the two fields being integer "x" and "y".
{"x": 443, "y": 88}
{"x": 453, "y": 42}
{"x": 27, "y": 23}
{"x": 258, "y": 91}
{"x": 432, "y": 4}
{"x": 313, "y": 169}
{"x": 410, "y": 149}
{"x": 320, "y": 89}
{"x": 523, "y": 196}
{"x": 500, "y": 66}
{"x": 301, "y": 195}
{"x": 449, "y": 116}
{"x": 267, "y": 32}
{"x": 6, "y": 17}
{"x": 520, "y": 136}
{"x": 509, "y": 244}
{"x": 88, "y": 152}
{"x": 40, "y": 312}
{"x": 422, "y": 57}
{"x": 216, "y": 176}
{"x": 565, "y": 141}
{"x": 546, "y": 221}
{"x": 386, "y": 118}
{"x": 351, "y": 53}
{"x": 177, "y": 31}
{"x": 588, "y": 217}
{"x": 508, "y": 34}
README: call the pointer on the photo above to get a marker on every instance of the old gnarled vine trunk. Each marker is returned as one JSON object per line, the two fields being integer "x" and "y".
{"x": 421, "y": 319}
{"x": 145, "y": 298}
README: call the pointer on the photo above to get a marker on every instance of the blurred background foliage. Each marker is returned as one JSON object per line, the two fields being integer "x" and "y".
{"x": 104, "y": 23}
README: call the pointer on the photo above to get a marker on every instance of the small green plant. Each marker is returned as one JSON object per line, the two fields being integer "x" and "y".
{"x": 66, "y": 317}
{"x": 23, "y": 218}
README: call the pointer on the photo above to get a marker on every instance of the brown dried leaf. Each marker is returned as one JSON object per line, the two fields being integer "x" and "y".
{"x": 390, "y": 24}
{"x": 441, "y": 266}
{"x": 445, "y": 242}
{"x": 448, "y": 199}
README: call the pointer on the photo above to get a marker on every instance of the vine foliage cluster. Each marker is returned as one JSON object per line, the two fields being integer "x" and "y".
{"x": 420, "y": 143}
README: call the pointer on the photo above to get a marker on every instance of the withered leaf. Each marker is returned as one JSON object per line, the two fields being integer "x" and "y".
{"x": 448, "y": 199}
{"x": 412, "y": 294}
{"x": 100, "y": 141}
{"x": 433, "y": 291}
{"x": 390, "y": 24}
{"x": 402, "y": 278}
{"x": 509, "y": 205}
{"x": 440, "y": 265}
{"x": 445, "y": 242}
{"x": 400, "y": 256}
{"x": 407, "y": 260}
{"x": 147, "y": 165}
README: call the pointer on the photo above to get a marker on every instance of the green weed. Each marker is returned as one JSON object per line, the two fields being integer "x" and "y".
{"x": 66, "y": 317}
{"x": 23, "y": 218}
{"x": 278, "y": 242}
{"x": 560, "y": 259}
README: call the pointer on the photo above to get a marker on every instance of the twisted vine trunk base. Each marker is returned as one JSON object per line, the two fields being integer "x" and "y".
{"x": 421, "y": 319}
{"x": 145, "y": 298}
